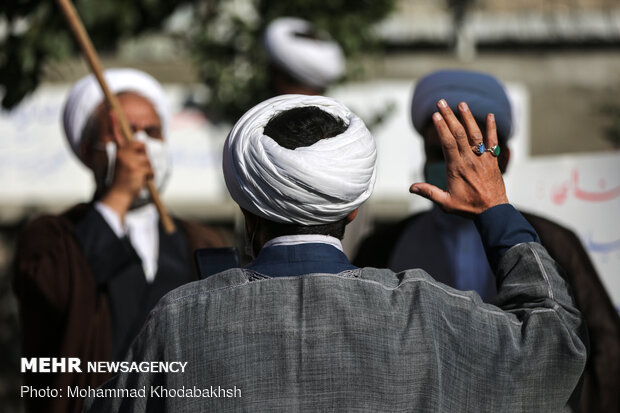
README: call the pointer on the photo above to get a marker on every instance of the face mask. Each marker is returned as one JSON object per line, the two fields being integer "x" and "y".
{"x": 157, "y": 152}
{"x": 435, "y": 173}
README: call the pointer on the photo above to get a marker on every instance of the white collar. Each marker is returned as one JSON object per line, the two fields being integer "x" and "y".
{"x": 141, "y": 226}
{"x": 144, "y": 215}
{"x": 304, "y": 239}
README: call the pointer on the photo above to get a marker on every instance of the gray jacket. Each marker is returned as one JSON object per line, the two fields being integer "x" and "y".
{"x": 365, "y": 340}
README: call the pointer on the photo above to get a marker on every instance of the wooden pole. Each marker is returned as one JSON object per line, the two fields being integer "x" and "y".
{"x": 93, "y": 61}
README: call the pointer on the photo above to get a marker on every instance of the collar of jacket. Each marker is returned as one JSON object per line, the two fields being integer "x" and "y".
{"x": 300, "y": 259}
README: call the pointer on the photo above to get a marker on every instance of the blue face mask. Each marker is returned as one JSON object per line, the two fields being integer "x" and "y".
{"x": 435, "y": 173}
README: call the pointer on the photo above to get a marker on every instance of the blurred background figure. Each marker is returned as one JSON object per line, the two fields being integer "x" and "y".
{"x": 440, "y": 243}
{"x": 87, "y": 279}
{"x": 449, "y": 246}
{"x": 302, "y": 60}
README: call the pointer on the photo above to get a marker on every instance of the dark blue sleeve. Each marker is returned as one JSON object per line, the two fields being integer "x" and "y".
{"x": 501, "y": 228}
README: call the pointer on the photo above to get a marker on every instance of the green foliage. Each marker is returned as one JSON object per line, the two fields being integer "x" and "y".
{"x": 37, "y": 32}
{"x": 224, "y": 39}
{"x": 226, "y": 43}
{"x": 22, "y": 49}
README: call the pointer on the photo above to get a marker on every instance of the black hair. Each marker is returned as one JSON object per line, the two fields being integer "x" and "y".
{"x": 299, "y": 127}
{"x": 296, "y": 128}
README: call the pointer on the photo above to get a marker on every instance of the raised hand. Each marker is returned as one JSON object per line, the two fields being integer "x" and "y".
{"x": 474, "y": 180}
{"x": 131, "y": 171}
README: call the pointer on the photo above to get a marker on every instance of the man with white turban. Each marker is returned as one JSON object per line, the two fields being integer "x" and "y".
{"x": 303, "y": 60}
{"x": 87, "y": 279}
{"x": 301, "y": 329}
{"x": 306, "y": 61}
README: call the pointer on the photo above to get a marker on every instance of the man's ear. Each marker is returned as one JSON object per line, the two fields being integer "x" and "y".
{"x": 504, "y": 158}
{"x": 351, "y": 216}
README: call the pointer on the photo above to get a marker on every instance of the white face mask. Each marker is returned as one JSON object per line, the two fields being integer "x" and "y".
{"x": 156, "y": 150}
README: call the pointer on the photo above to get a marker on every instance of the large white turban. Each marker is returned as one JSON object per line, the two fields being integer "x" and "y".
{"x": 86, "y": 95}
{"x": 311, "y": 185}
{"x": 315, "y": 62}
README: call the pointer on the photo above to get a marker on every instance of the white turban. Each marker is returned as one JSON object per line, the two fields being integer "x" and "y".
{"x": 315, "y": 62}
{"x": 312, "y": 185}
{"x": 86, "y": 95}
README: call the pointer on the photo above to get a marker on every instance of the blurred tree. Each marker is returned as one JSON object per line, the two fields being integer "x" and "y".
{"x": 224, "y": 39}
{"x": 33, "y": 31}
{"x": 226, "y": 43}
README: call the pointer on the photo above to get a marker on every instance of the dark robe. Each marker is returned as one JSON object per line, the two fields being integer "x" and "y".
{"x": 601, "y": 385}
{"x": 82, "y": 293}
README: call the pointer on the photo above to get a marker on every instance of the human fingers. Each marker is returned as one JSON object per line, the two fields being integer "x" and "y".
{"x": 432, "y": 193}
{"x": 134, "y": 157}
{"x": 457, "y": 130}
{"x": 492, "y": 140}
{"x": 139, "y": 148}
{"x": 474, "y": 136}
{"x": 150, "y": 173}
{"x": 448, "y": 143}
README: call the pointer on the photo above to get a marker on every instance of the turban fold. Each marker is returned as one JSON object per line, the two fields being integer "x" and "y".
{"x": 310, "y": 185}
{"x": 312, "y": 61}
{"x": 483, "y": 93}
{"x": 86, "y": 95}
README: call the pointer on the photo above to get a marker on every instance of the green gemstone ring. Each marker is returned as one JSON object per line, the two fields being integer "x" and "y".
{"x": 495, "y": 150}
